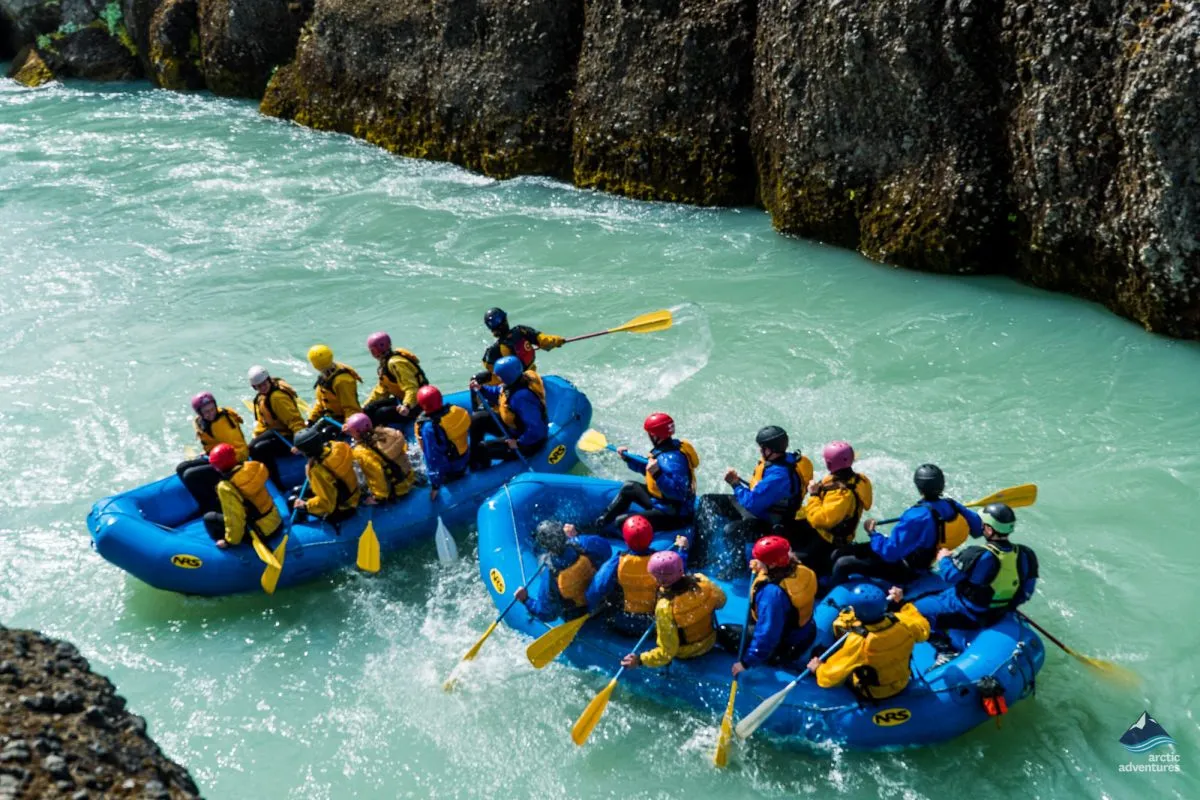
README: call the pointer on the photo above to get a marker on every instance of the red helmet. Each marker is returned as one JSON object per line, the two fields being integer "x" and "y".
{"x": 223, "y": 457}
{"x": 659, "y": 425}
{"x": 429, "y": 398}
{"x": 773, "y": 551}
{"x": 638, "y": 532}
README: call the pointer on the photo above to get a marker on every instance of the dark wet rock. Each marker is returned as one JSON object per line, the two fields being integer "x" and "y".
{"x": 243, "y": 41}
{"x": 52, "y": 744}
{"x": 482, "y": 83}
{"x": 173, "y": 42}
{"x": 662, "y": 103}
{"x": 30, "y": 70}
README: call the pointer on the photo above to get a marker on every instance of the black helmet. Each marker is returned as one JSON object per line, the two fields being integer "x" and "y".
{"x": 772, "y": 437}
{"x": 495, "y": 318}
{"x": 550, "y": 536}
{"x": 929, "y": 480}
{"x": 310, "y": 441}
{"x": 1000, "y": 518}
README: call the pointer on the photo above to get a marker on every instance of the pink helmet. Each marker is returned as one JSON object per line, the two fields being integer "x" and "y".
{"x": 201, "y": 400}
{"x": 357, "y": 424}
{"x": 666, "y": 567}
{"x": 838, "y": 455}
{"x": 379, "y": 343}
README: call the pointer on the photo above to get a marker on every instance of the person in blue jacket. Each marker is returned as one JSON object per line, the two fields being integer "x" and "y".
{"x": 767, "y": 503}
{"x": 668, "y": 496}
{"x": 933, "y": 524}
{"x": 519, "y": 404}
{"x": 985, "y": 582}
{"x": 623, "y": 586}
{"x": 781, "y": 597}
{"x": 442, "y": 432}
{"x": 573, "y": 559}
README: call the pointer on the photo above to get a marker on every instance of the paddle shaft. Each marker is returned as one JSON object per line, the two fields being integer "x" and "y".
{"x": 1045, "y": 633}
{"x": 640, "y": 642}
{"x": 513, "y": 602}
{"x": 303, "y": 489}
{"x": 507, "y": 434}
{"x": 586, "y": 336}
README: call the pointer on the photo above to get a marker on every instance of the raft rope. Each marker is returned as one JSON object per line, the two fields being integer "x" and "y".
{"x": 516, "y": 537}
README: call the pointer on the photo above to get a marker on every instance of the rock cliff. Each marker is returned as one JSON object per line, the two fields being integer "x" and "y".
{"x": 1056, "y": 142}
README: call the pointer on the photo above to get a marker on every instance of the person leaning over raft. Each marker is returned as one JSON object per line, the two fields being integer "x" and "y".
{"x": 214, "y": 426}
{"x": 331, "y": 477}
{"x": 382, "y": 455}
{"x": 521, "y": 405}
{"x": 336, "y": 387}
{"x": 768, "y": 503}
{"x": 246, "y": 505}
{"x": 520, "y": 341}
{"x": 934, "y": 523}
{"x": 443, "y": 434}
{"x": 276, "y": 414}
{"x": 874, "y": 658}
{"x": 834, "y": 507}
{"x": 781, "y": 606}
{"x": 573, "y": 560}
{"x": 684, "y": 614}
{"x": 985, "y": 582}
{"x": 624, "y": 583}
{"x": 669, "y": 493}
{"x": 393, "y": 401}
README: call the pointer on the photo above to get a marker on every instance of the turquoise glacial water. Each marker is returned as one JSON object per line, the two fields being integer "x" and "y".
{"x": 155, "y": 244}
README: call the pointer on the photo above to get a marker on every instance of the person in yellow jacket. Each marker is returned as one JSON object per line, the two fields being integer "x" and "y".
{"x": 874, "y": 658}
{"x": 331, "y": 477}
{"x": 684, "y": 614}
{"x": 393, "y": 401}
{"x": 214, "y": 425}
{"x": 382, "y": 455}
{"x": 834, "y": 508}
{"x": 246, "y": 505}
{"x": 277, "y": 420}
{"x": 336, "y": 387}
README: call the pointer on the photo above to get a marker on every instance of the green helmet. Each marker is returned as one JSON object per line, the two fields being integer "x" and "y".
{"x": 1000, "y": 518}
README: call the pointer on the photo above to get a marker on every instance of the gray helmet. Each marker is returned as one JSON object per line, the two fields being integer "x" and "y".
{"x": 550, "y": 536}
{"x": 310, "y": 441}
{"x": 773, "y": 438}
{"x": 929, "y": 480}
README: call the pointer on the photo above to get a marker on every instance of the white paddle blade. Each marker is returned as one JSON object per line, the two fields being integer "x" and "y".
{"x": 447, "y": 550}
{"x": 758, "y": 716}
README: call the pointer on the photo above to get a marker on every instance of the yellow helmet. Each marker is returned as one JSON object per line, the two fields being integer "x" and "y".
{"x": 321, "y": 357}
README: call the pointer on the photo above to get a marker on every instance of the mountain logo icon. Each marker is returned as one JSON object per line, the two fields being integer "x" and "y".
{"x": 1145, "y": 735}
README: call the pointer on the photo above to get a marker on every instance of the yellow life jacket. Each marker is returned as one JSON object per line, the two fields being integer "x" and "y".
{"x": 803, "y": 473}
{"x": 1008, "y": 578}
{"x": 338, "y": 460}
{"x": 952, "y": 531}
{"x": 392, "y": 451}
{"x": 451, "y": 427}
{"x": 529, "y": 380}
{"x": 250, "y": 480}
{"x": 693, "y": 459}
{"x": 843, "y": 532}
{"x": 885, "y": 655}
{"x": 573, "y": 582}
{"x": 225, "y": 429}
{"x": 692, "y": 610}
{"x": 800, "y": 587}
{"x": 637, "y": 584}
{"x": 327, "y": 397}
{"x": 262, "y": 406}
{"x": 388, "y": 381}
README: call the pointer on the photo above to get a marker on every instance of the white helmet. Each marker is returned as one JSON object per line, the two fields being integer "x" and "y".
{"x": 257, "y": 375}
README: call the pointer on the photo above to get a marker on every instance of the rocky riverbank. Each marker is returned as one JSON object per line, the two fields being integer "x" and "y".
{"x": 65, "y": 732}
{"x": 1056, "y": 142}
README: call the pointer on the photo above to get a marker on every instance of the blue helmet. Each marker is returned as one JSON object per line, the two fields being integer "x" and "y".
{"x": 495, "y": 318}
{"x": 508, "y": 369}
{"x": 869, "y": 603}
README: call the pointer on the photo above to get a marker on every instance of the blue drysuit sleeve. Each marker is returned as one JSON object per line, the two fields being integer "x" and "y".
{"x": 771, "y": 605}
{"x": 490, "y": 394}
{"x": 1025, "y": 591}
{"x": 635, "y": 462}
{"x": 950, "y": 567}
{"x": 526, "y": 405}
{"x": 974, "y": 523}
{"x": 772, "y": 489}
{"x": 910, "y": 533}
{"x": 436, "y": 461}
{"x": 603, "y": 583}
{"x": 544, "y": 601}
{"x": 674, "y": 476}
{"x": 595, "y": 548}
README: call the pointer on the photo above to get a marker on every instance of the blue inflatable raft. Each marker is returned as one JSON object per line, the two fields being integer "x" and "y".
{"x": 153, "y": 532}
{"x": 941, "y": 702}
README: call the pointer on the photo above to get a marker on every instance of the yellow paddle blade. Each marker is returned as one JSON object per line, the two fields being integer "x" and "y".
{"x": 368, "y": 549}
{"x": 305, "y": 408}
{"x": 646, "y": 323}
{"x": 592, "y": 441}
{"x": 474, "y": 651}
{"x": 547, "y": 646}
{"x": 248, "y": 404}
{"x": 190, "y": 452}
{"x": 270, "y": 576}
{"x": 592, "y": 714}
{"x": 1113, "y": 673}
{"x": 263, "y": 552}
{"x": 721, "y": 756}
{"x": 1014, "y": 496}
